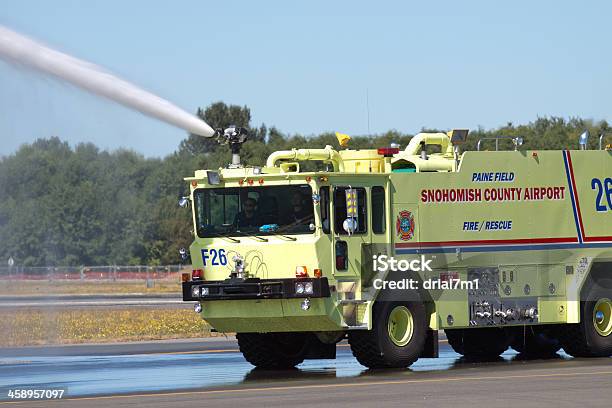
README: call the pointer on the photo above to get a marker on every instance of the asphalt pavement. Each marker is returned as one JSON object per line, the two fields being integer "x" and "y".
{"x": 211, "y": 372}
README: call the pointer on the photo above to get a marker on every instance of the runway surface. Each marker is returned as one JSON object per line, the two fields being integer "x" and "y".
{"x": 170, "y": 300}
{"x": 211, "y": 372}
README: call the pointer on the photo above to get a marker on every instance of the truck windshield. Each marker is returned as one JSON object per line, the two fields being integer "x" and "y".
{"x": 254, "y": 210}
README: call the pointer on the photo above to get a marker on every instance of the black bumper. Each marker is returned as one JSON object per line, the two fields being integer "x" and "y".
{"x": 254, "y": 288}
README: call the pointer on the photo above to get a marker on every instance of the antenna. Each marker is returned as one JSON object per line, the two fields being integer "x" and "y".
{"x": 368, "y": 109}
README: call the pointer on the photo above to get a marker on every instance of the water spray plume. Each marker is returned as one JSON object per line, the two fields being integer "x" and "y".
{"x": 17, "y": 48}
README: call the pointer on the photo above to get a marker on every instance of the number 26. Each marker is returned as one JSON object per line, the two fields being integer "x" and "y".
{"x": 602, "y": 188}
{"x": 217, "y": 257}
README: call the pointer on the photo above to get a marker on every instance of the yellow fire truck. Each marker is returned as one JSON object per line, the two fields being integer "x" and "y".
{"x": 388, "y": 246}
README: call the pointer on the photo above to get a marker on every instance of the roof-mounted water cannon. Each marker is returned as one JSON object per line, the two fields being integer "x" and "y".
{"x": 584, "y": 139}
{"x": 234, "y": 136}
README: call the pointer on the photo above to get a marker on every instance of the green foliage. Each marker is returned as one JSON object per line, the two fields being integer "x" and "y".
{"x": 82, "y": 206}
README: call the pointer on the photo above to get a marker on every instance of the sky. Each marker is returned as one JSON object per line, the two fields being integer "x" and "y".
{"x": 311, "y": 67}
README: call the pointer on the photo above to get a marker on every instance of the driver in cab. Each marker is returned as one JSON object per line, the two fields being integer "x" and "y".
{"x": 247, "y": 218}
{"x": 299, "y": 213}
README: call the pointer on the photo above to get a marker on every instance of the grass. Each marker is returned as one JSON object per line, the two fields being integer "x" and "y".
{"x": 35, "y": 287}
{"x": 35, "y": 327}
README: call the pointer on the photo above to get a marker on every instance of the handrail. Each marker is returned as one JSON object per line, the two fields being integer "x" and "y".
{"x": 516, "y": 140}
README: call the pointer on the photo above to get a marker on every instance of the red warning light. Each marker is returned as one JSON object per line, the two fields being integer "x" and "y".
{"x": 388, "y": 151}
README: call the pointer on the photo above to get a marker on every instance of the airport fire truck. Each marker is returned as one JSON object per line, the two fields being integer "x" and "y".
{"x": 388, "y": 246}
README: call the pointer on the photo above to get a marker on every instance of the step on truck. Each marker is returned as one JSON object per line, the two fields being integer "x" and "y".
{"x": 386, "y": 247}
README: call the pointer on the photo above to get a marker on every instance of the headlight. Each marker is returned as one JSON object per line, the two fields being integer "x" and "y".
{"x": 299, "y": 288}
{"x": 195, "y": 291}
{"x": 308, "y": 288}
{"x": 205, "y": 291}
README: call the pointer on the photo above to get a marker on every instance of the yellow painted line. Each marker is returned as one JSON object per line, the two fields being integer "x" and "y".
{"x": 328, "y": 386}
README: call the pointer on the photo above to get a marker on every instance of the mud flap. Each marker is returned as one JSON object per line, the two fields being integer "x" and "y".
{"x": 431, "y": 345}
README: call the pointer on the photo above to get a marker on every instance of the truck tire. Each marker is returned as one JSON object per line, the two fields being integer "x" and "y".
{"x": 397, "y": 337}
{"x": 479, "y": 343}
{"x": 535, "y": 341}
{"x": 273, "y": 350}
{"x": 592, "y": 337}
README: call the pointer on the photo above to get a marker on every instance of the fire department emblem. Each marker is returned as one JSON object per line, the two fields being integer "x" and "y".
{"x": 405, "y": 225}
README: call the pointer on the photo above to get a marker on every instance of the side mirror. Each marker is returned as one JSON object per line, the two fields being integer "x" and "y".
{"x": 183, "y": 253}
{"x": 350, "y": 225}
{"x": 183, "y": 202}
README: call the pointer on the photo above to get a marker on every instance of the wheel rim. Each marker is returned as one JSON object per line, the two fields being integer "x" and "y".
{"x": 602, "y": 317}
{"x": 400, "y": 326}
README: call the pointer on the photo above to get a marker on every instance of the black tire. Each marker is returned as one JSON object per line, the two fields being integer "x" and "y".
{"x": 273, "y": 350}
{"x": 582, "y": 339}
{"x": 376, "y": 349}
{"x": 536, "y": 341}
{"x": 479, "y": 343}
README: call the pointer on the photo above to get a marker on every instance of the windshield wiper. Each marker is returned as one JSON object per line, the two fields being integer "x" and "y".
{"x": 285, "y": 236}
{"x": 296, "y": 223}
{"x": 217, "y": 234}
{"x": 246, "y": 234}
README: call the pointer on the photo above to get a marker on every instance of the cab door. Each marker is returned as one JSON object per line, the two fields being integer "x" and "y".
{"x": 351, "y": 233}
{"x": 350, "y": 229}
{"x": 353, "y": 250}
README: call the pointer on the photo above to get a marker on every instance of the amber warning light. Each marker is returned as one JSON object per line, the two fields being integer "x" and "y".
{"x": 301, "y": 272}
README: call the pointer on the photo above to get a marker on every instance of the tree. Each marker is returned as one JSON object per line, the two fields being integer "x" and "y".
{"x": 221, "y": 116}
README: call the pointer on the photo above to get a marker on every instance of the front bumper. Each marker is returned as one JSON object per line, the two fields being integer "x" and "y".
{"x": 254, "y": 288}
